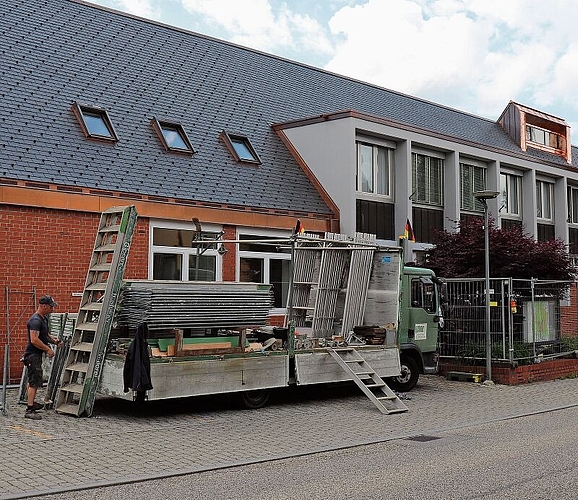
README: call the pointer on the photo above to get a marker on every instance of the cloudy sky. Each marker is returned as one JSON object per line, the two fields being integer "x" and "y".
{"x": 472, "y": 55}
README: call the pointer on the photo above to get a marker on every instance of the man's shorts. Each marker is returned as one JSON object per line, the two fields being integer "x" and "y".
{"x": 34, "y": 364}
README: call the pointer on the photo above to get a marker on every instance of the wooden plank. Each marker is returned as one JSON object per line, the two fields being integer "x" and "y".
{"x": 204, "y": 347}
{"x": 204, "y": 351}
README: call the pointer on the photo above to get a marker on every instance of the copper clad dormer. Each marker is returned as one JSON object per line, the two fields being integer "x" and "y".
{"x": 531, "y": 128}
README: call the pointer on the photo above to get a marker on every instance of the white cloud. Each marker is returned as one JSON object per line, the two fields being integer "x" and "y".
{"x": 142, "y": 8}
{"x": 475, "y": 55}
{"x": 258, "y": 25}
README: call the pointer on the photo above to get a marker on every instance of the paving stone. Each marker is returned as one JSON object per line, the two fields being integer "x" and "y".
{"x": 123, "y": 443}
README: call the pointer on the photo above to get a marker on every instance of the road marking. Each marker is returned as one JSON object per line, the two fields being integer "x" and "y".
{"x": 30, "y": 431}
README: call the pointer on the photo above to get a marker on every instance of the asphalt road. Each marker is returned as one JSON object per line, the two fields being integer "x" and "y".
{"x": 531, "y": 457}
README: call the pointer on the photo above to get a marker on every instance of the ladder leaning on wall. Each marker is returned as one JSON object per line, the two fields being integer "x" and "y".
{"x": 85, "y": 359}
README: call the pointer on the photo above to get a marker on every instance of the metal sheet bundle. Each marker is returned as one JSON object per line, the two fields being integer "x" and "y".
{"x": 164, "y": 305}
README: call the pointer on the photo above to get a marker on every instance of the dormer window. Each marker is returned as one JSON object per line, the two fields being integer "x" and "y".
{"x": 241, "y": 148}
{"x": 544, "y": 137}
{"x": 95, "y": 122}
{"x": 173, "y": 136}
{"x": 531, "y": 128}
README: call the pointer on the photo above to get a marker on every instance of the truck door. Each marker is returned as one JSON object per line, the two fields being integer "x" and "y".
{"x": 423, "y": 313}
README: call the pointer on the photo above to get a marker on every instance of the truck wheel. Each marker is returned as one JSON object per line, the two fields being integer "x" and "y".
{"x": 251, "y": 400}
{"x": 408, "y": 378}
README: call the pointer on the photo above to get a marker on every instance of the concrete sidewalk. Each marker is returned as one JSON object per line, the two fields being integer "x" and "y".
{"x": 123, "y": 442}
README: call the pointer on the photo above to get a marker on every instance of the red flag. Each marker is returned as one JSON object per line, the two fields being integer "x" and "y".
{"x": 408, "y": 234}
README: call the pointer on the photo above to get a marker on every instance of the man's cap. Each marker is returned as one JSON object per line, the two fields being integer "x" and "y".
{"x": 47, "y": 299}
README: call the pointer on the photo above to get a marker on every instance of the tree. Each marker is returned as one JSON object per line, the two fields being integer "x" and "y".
{"x": 513, "y": 254}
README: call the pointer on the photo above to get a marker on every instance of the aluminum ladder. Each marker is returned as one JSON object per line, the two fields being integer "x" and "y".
{"x": 85, "y": 359}
{"x": 372, "y": 385}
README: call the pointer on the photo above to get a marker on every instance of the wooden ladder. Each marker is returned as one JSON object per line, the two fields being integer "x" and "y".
{"x": 372, "y": 385}
{"x": 85, "y": 359}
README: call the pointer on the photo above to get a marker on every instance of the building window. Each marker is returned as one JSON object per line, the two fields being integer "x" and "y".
{"x": 374, "y": 167}
{"x": 95, "y": 122}
{"x": 241, "y": 148}
{"x": 172, "y": 136}
{"x": 511, "y": 189}
{"x": 180, "y": 253}
{"x": 427, "y": 179}
{"x": 544, "y": 137}
{"x": 573, "y": 205}
{"x": 472, "y": 179}
{"x": 544, "y": 200}
{"x": 264, "y": 262}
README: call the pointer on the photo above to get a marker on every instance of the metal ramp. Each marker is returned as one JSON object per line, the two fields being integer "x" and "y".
{"x": 85, "y": 359}
{"x": 367, "y": 380}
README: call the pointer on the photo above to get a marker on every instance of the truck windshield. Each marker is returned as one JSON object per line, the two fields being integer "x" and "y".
{"x": 423, "y": 294}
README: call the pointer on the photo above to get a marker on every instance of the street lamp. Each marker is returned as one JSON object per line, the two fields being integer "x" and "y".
{"x": 484, "y": 196}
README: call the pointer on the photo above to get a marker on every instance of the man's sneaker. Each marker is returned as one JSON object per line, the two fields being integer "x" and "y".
{"x": 33, "y": 415}
{"x": 37, "y": 406}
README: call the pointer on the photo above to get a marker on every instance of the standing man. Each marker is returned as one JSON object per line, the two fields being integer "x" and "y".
{"x": 38, "y": 340}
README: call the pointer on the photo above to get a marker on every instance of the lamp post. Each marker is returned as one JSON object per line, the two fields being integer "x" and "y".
{"x": 484, "y": 196}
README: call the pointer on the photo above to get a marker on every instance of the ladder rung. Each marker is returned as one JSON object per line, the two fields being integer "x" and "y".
{"x": 115, "y": 228}
{"x": 96, "y": 286}
{"x": 353, "y": 360}
{"x": 91, "y": 327}
{"x": 375, "y": 386}
{"x": 369, "y": 372}
{"x": 68, "y": 408}
{"x": 92, "y": 306}
{"x": 101, "y": 267}
{"x": 76, "y": 388}
{"x": 305, "y": 283}
{"x": 78, "y": 367}
{"x": 387, "y": 398}
{"x": 109, "y": 247}
{"x": 82, "y": 346}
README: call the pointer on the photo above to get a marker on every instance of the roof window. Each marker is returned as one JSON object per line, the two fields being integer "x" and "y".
{"x": 173, "y": 136}
{"x": 95, "y": 122}
{"x": 241, "y": 148}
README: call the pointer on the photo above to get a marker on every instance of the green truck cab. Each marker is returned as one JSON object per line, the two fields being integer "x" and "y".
{"x": 423, "y": 297}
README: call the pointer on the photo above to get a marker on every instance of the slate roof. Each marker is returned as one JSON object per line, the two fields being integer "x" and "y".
{"x": 56, "y": 52}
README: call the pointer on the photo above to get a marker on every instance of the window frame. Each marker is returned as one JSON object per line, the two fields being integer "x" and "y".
{"x": 474, "y": 205}
{"x": 266, "y": 256}
{"x": 81, "y": 111}
{"x": 506, "y": 205}
{"x": 428, "y": 198}
{"x": 572, "y": 200}
{"x": 159, "y": 126}
{"x": 544, "y": 189}
{"x": 531, "y": 137}
{"x": 230, "y": 139}
{"x": 185, "y": 252}
{"x": 389, "y": 169}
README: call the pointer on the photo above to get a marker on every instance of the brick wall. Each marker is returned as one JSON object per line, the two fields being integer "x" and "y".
{"x": 48, "y": 251}
{"x": 546, "y": 370}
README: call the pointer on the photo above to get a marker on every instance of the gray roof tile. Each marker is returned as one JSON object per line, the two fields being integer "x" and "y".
{"x": 58, "y": 51}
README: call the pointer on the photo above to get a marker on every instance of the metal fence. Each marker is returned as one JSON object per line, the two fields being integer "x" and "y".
{"x": 525, "y": 320}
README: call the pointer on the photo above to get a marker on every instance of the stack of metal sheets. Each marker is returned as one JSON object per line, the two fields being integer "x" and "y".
{"x": 169, "y": 304}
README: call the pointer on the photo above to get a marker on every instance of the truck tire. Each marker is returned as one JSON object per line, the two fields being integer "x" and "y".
{"x": 250, "y": 400}
{"x": 408, "y": 378}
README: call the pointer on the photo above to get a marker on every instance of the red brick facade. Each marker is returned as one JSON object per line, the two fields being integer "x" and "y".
{"x": 546, "y": 370}
{"x": 48, "y": 251}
